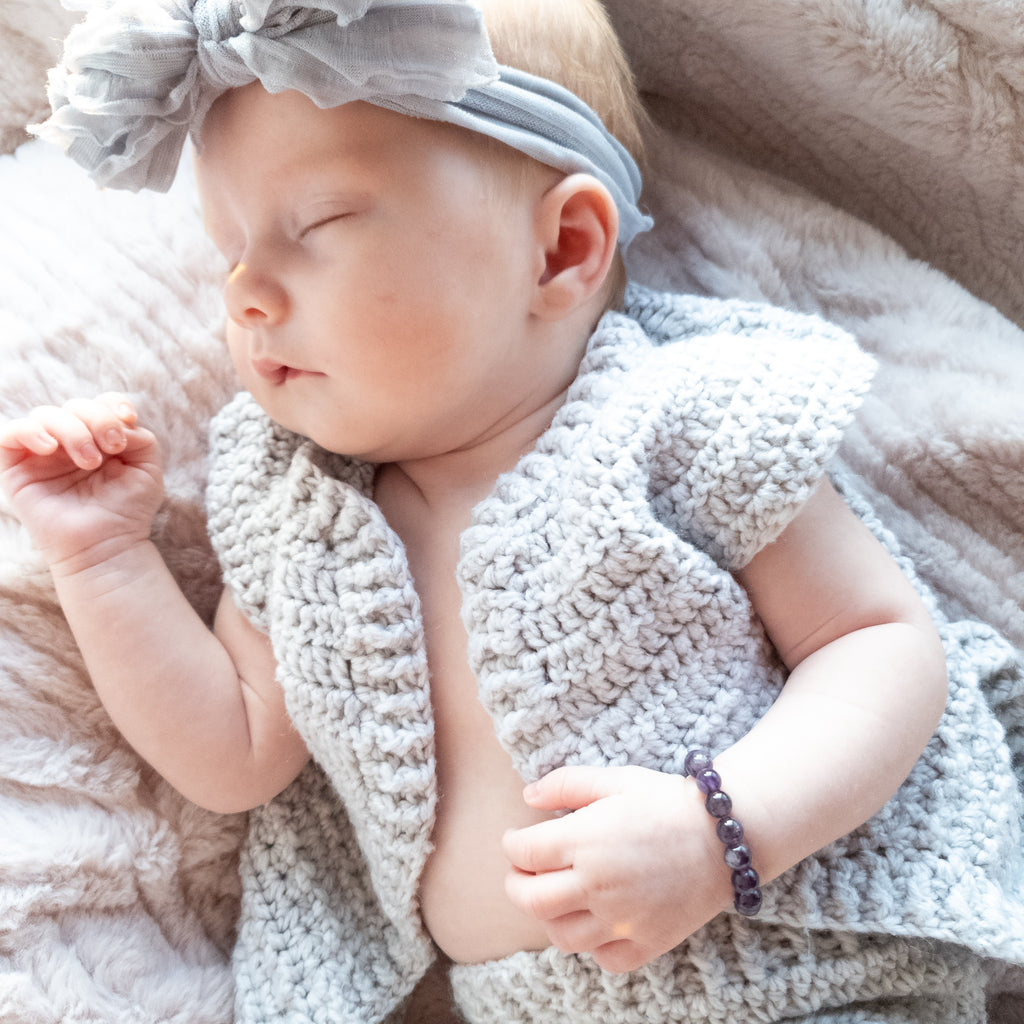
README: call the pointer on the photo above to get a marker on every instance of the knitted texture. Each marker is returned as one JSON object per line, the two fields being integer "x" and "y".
{"x": 312, "y": 562}
{"x": 605, "y": 628}
{"x": 731, "y": 972}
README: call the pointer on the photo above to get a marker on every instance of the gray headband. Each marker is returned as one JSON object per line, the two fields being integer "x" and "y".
{"x": 139, "y": 76}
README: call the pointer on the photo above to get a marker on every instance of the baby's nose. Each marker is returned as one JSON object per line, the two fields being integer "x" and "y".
{"x": 254, "y": 298}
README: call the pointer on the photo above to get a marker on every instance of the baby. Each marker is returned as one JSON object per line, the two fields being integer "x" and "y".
{"x": 480, "y": 528}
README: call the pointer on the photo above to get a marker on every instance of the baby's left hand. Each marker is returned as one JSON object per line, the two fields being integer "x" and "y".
{"x": 634, "y": 870}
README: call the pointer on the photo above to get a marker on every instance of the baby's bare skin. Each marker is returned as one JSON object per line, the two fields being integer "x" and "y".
{"x": 462, "y": 890}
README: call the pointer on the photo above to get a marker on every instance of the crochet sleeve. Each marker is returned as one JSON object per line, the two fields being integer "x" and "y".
{"x": 768, "y": 398}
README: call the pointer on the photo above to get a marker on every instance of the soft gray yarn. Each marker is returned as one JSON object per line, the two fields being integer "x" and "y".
{"x": 605, "y": 628}
{"x": 731, "y": 972}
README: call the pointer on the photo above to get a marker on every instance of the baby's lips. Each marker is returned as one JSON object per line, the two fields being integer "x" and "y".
{"x": 270, "y": 369}
{"x": 278, "y": 373}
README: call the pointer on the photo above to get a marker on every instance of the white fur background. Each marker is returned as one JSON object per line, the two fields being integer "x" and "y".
{"x": 811, "y": 146}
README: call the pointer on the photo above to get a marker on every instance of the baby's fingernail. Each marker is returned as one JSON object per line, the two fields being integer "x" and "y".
{"x": 531, "y": 791}
{"x": 113, "y": 440}
{"x": 89, "y": 452}
{"x": 125, "y": 411}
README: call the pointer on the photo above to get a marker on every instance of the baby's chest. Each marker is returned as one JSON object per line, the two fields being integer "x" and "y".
{"x": 471, "y": 764}
{"x": 464, "y": 732}
{"x": 462, "y": 893}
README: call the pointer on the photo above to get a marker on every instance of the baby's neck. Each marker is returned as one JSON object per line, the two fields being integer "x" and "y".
{"x": 448, "y": 483}
{"x": 465, "y": 476}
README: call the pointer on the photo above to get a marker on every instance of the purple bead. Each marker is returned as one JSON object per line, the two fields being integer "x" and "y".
{"x": 730, "y": 831}
{"x": 746, "y": 880}
{"x": 738, "y": 857}
{"x": 748, "y": 903}
{"x": 718, "y": 804}
{"x": 696, "y": 761}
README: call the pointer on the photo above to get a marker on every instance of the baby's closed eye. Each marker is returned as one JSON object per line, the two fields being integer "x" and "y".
{"x": 321, "y": 223}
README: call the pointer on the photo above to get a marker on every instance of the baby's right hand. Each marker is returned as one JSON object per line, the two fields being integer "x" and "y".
{"x": 83, "y": 478}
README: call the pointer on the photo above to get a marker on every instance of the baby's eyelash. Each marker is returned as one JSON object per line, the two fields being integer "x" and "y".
{"x": 322, "y": 222}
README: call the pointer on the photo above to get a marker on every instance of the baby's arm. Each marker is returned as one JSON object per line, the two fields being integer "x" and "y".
{"x": 867, "y": 681}
{"x": 638, "y": 867}
{"x": 203, "y": 708}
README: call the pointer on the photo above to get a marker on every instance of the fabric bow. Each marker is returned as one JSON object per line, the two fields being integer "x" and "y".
{"x": 139, "y": 76}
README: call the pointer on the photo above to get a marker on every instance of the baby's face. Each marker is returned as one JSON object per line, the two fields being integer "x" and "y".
{"x": 378, "y": 290}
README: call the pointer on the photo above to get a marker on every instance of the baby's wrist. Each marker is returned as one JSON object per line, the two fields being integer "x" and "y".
{"x": 101, "y": 561}
{"x": 735, "y": 858}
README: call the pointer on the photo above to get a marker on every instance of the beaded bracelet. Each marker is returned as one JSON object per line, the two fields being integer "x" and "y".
{"x": 745, "y": 880}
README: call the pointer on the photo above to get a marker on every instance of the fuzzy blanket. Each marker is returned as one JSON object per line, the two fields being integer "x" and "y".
{"x": 862, "y": 159}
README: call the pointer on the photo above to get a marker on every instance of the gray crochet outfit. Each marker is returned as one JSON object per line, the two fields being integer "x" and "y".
{"x": 605, "y": 628}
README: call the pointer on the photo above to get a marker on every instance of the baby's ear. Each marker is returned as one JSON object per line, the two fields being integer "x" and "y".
{"x": 578, "y": 227}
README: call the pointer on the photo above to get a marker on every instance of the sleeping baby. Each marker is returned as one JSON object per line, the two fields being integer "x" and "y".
{"x": 548, "y": 645}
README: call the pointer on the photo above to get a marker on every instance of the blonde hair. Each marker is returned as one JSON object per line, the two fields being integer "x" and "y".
{"x": 573, "y": 43}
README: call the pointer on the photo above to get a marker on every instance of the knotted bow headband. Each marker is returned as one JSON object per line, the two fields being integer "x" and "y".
{"x": 139, "y": 76}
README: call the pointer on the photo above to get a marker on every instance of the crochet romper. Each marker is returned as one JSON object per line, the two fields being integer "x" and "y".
{"x": 605, "y": 628}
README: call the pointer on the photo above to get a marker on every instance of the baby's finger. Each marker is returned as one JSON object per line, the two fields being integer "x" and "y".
{"x": 108, "y": 430}
{"x": 621, "y": 956}
{"x": 546, "y": 846}
{"x": 121, "y": 405}
{"x": 71, "y": 433}
{"x": 24, "y": 435}
{"x": 547, "y": 896}
{"x": 572, "y": 787}
{"x": 582, "y": 932}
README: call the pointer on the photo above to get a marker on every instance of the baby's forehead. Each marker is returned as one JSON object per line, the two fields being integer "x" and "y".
{"x": 287, "y": 134}
{"x": 288, "y": 125}
{"x": 262, "y": 150}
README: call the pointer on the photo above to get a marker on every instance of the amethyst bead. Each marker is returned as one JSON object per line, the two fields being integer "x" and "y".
{"x": 718, "y": 804}
{"x": 696, "y": 761}
{"x": 708, "y": 780}
{"x": 748, "y": 903}
{"x": 730, "y": 831}
{"x": 738, "y": 856}
{"x": 746, "y": 880}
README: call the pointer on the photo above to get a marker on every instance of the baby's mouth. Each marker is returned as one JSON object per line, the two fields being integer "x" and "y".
{"x": 277, "y": 373}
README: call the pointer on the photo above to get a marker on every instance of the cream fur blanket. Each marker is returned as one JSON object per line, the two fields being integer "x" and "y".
{"x": 855, "y": 158}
